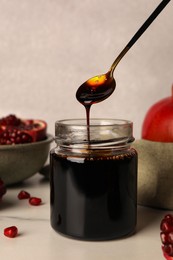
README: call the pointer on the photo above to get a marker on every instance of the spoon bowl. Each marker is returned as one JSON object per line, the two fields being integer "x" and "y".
{"x": 96, "y": 89}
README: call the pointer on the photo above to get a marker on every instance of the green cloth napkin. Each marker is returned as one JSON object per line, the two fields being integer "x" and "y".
{"x": 155, "y": 173}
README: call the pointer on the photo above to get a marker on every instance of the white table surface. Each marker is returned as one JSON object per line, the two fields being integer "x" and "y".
{"x": 37, "y": 240}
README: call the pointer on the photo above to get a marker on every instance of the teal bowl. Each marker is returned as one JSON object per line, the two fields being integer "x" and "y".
{"x": 21, "y": 161}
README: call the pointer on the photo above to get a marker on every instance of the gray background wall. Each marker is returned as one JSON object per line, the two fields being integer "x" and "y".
{"x": 49, "y": 47}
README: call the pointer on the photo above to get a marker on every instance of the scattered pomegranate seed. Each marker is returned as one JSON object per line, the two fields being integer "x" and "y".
{"x": 166, "y": 235}
{"x": 35, "y": 201}
{"x": 11, "y": 231}
{"x": 23, "y": 195}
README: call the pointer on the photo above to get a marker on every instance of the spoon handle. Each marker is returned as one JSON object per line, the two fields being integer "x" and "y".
{"x": 140, "y": 31}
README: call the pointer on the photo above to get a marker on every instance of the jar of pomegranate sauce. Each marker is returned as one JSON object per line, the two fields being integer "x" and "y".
{"x": 93, "y": 182}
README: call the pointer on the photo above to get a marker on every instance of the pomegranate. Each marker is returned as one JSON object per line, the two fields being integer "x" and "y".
{"x": 158, "y": 122}
{"x": 14, "y": 130}
{"x": 2, "y": 189}
{"x": 166, "y": 236}
{"x": 35, "y": 128}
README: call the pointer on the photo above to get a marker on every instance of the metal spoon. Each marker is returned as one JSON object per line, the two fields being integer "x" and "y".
{"x": 100, "y": 87}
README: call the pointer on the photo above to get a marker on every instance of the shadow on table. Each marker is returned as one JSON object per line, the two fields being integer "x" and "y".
{"x": 148, "y": 216}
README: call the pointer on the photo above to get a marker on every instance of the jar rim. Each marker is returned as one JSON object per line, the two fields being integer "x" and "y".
{"x": 94, "y": 122}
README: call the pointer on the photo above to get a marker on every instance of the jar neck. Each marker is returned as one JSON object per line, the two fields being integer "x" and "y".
{"x": 88, "y": 151}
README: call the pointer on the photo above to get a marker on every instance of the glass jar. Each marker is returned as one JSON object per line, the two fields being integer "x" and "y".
{"x": 93, "y": 184}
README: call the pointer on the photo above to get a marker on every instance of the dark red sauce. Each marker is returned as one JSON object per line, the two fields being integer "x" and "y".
{"x": 94, "y": 198}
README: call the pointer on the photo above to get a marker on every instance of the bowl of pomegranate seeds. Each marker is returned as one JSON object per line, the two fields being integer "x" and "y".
{"x": 24, "y": 148}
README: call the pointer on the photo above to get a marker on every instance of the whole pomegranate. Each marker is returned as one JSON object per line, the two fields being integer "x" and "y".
{"x": 158, "y": 122}
{"x": 14, "y": 130}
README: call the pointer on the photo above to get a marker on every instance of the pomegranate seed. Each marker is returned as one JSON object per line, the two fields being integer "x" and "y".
{"x": 166, "y": 255}
{"x": 35, "y": 201}
{"x": 170, "y": 238}
{"x": 23, "y": 195}
{"x": 168, "y": 249}
{"x": 11, "y": 231}
{"x": 164, "y": 238}
{"x": 167, "y": 223}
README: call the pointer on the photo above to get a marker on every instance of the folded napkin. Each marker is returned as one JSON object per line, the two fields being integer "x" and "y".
{"x": 155, "y": 174}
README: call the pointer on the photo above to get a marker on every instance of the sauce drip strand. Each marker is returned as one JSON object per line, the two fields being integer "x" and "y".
{"x": 95, "y": 90}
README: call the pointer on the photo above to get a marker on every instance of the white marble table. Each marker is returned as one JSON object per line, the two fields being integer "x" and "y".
{"x": 37, "y": 240}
